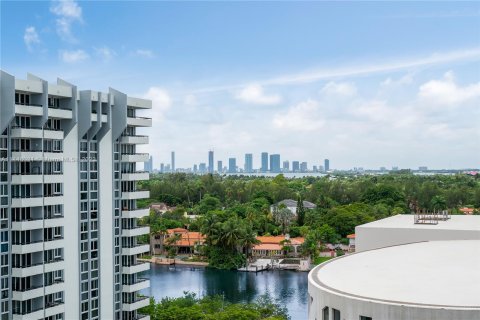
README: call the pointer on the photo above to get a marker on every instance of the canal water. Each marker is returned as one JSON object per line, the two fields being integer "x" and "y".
{"x": 288, "y": 288}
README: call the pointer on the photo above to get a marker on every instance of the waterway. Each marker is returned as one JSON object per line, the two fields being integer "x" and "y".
{"x": 288, "y": 288}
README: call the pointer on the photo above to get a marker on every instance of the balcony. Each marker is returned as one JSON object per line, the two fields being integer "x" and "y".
{"x": 136, "y": 268}
{"x": 137, "y": 286}
{"x": 37, "y": 155}
{"x": 139, "y": 303}
{"x": 53, "y": 199}
{"x": 54, "y": 308}
{"x": 132, "y": 195}
{"x": 54, "y": 265}
{"x": 31, "y": 201}
{"x": 139, "y": 122}
{"x": 54, "y": 222}
{"x": 134, "y": 250}
{"x": 53, "y": 134}
{"x": 32, "y": 246}
{"x": 29, "y": 110}
{"x": 138, "y": 103}
{"x": 138, "y": 231}
{"x": 53, "y": 178}
{"x": 35, "y": 313}
{"x": 134, "y": 139}
{"x": 33, "y": 133}
{"x": 59, "y": 113}
{"x": 55, "y": 243}
{"x": 56, "y": 286}
{"x": 27, "y": 294}
{"x": 136, "y": 157}
{"x": 28, "y": 271}
{"x": 139, "y": 213}
{"x": 27, "y": 178}
{"x": 29, "y": 224}
{"x": 135, "y": 176}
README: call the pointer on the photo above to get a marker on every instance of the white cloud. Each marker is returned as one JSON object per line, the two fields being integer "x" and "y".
{"x": 254, "y": 94}
{"x": 73, "y": 56}
{"x": 105, "y": 53}
{"x": 67, "y": 12}
{"x": 144, "y": 53}
{"x": 304, "y": 116}
{"x": 446, "y": 92}
{"x": 31, "y": 37}
{"x": 405, "y": 80}
{"x": 361, "y": 70}
{"x": 339, "y": 88}
{"x": 161, "y": 101}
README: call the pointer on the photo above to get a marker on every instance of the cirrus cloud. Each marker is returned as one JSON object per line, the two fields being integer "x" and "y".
{"x": 254, "y": 94}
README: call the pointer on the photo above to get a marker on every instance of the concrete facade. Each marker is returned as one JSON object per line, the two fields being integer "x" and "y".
{"x": 436, "y": 280}
{"x": 401, "y": 229}
{"x": 68, "y": 191}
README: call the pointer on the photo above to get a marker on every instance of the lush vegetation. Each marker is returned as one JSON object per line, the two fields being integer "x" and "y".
{"x": 190, "y": 307}
{"x": 233, "y": 210}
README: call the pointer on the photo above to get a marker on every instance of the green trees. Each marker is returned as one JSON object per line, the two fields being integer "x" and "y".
{"x": 234, "y": 209}
{"x": 227, "y": 236}
{"x": 190, "y": 307}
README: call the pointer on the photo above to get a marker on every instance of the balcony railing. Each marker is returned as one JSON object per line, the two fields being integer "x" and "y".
{"x": 24, "y": 243}
{"x": 28, "y": 104}
{"x": 139, "y": 280}
{"x": 29, "y": 288}
{"x": 24, "y": 312}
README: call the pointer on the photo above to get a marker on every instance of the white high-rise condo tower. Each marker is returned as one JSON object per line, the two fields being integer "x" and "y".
{"x": 68, "y": 202}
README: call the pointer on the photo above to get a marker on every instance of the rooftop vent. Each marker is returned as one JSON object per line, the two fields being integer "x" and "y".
{"x": 426, "y": 217}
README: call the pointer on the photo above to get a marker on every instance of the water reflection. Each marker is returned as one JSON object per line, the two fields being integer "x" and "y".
{"x": 289, "y": 288}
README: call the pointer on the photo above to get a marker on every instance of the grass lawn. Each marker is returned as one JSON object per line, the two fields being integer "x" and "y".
{"x": 319, "y": 260}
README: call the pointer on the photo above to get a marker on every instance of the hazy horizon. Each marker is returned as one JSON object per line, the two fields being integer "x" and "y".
{"x": 364, "y": 84}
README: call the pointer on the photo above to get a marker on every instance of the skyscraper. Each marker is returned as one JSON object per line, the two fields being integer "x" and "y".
{"x": 248, "y": 163}
{"x": 264, "y": 167}
{"x": 275, "y": 163}
{"x": 286, "y": 166}
{"x": 232, "y": 165}
{"x": 148, "y": 165}
{"x": 219, "y": 166}
{"x": 327, "y": 165}
{"x": 211, "y": 167}
{"x": 173, "y": 162}
{"x": 303, "y": 167}
{"x": 68, "y": 222}
{"x": 295, "y": 166}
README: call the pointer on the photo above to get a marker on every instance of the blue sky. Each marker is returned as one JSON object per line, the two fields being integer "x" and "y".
{"x": 363, "y": 83}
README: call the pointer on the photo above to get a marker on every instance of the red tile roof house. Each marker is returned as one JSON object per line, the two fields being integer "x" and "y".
{"x": 271, "y": 246}
{"x": 466, "y": 210}
{"x": 186, "y": 244}
{"x": 351, "y": 242}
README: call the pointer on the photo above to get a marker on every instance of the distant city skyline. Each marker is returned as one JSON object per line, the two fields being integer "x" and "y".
{"x": 398, "y": 85}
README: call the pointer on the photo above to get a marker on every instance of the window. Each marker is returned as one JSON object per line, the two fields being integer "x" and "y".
{"x": 325, "y": 314}
{"x": 365, "y": 318}
{"x": 336, "y": 314}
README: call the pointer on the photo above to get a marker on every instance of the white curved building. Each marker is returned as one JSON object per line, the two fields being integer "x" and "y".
{"x": 434, "y": 280}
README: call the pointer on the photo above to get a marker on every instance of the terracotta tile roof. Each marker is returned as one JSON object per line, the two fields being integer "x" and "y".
{"x": 188, "y": 239}
{"x": 466, "y": 210}
{"x": 351, "y": 236}
{"x": 267, "y": 246}
{"x": 278, "y": 239}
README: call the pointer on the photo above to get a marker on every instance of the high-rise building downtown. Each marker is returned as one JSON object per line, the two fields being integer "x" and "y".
{"x": 173, "y": 161}
{"x": 326, "y": 165}
{"x": 148, "y": 165}
{"x": 211, "y": 167}
{"x": 232, "y": 165}
{"x": 295, "y": 166}
{"x": 248, "y": 163}
{"x": 286, "y": 166}
{"x": 219, "y": 166}
{"x": 264, "y": 167}
{"x": 68, "y": 202}
{"x": 275, "y": 163}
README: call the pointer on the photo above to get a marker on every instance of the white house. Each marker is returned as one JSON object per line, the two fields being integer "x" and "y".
{"x": 292, "y": 205}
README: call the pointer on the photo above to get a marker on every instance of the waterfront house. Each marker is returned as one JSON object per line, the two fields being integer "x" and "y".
{"x": 274, "y": 246}
{"x": 184, "y": 241}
